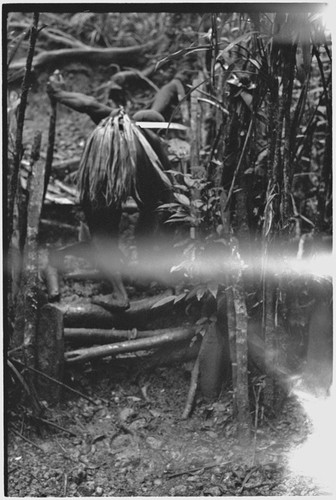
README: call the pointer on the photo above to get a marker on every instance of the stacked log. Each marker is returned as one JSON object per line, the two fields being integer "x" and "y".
{"x": 98, "y": 333}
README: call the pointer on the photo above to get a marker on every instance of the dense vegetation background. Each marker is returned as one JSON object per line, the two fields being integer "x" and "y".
{"x": 253, "y": 185}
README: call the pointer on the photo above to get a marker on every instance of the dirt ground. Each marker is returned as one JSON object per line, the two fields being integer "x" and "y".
{"x": 130, "y": 439}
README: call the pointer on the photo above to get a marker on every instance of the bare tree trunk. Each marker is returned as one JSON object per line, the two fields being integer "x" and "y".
{"x": 231, "y": 319}
{"x": 270, "y": 340}
{"x": 51, "y": 142}
{"x": 28, "y": 300}
{"x": 242, "y": 398}
{"x": 288, "y": 74}
{"x": 13, "y": 182}
{"x": 23, "y": 199}
{"x": 50, "y": 352}
{"x": 271, "y": 214}
{"x": 195, "y": 128}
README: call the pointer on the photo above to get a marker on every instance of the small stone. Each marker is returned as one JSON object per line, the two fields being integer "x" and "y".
{"x": 90, "y": 485}
{"x": 157, "y": 482}
{"x": 154, "y": 443}
{"x": 125, "y": 414}
{"x": 214, "y": 491}
{"x": 180, "y": 489}
{"x": 99, "y": 491}
{"x": 192, "y": 479}
{"x": 212, "y": 434}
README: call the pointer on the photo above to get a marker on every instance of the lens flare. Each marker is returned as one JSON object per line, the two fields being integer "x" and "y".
{"x": 327, "y": 17}
{"x": 213, "y": 264}
{"x": 315, "y": 459}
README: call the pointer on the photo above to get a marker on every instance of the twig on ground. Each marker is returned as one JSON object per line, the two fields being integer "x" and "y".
{"x": 27, "y": 440}
{"x": 196, "y": 469}
{"x": 74, "y": 391}
{"x": 192, "y": 389}
{"x": 35, "y": 403}
{"x": 258, "y": 485}
{"x": 246, "y": 479}
{"x": 56, "y": 426}
{"x": 65, "y": 484}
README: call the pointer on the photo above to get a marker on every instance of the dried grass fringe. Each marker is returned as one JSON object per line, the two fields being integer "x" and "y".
{"x": 107, "y": 170}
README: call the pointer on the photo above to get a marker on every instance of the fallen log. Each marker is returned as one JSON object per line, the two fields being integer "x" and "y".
{"x": 124, "y": 56}
{"x": 89, "y": 336}
{"x": 192, "y": 389}
{"x": 90, "y": 353}
{"x": 88, "y": 315}
{"x": 166, "y": 355}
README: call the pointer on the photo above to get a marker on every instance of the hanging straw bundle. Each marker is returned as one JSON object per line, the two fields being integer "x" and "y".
{"x": 107, "y": 171}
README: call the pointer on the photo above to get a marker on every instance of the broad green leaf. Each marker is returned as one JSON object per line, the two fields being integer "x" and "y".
{"x": 168, "y": 205}
{"x": 200, "y": 293}
{"x": 165, "y": 300}
{"x": 181, "y": 53}
{"x": 182, "y": 187}
{"x": 202, "y": 321}
{"x": 198, "y": 203}
{"x": 237, "y": 41}
{"x": 180, "y": 297}
{"x": 182, "y": 199}
{"x": 213, "y": 289}
{"x": 190, "y": 182}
